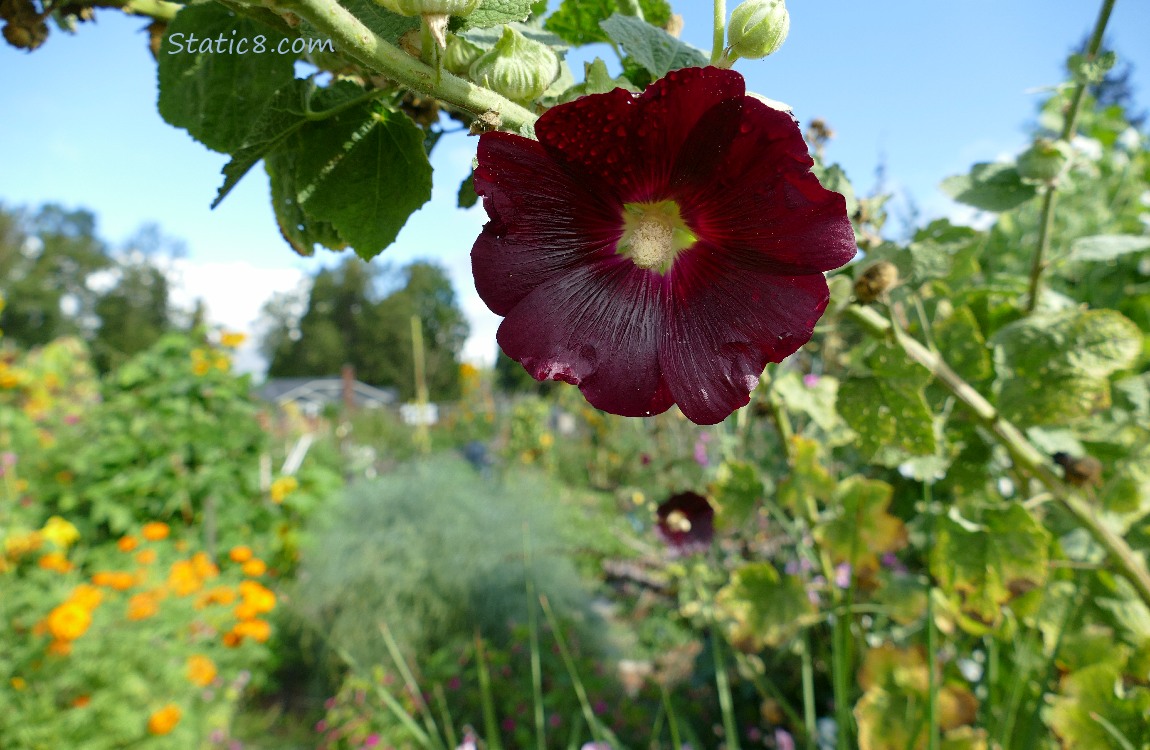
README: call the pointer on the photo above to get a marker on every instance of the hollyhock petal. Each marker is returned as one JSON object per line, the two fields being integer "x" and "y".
{"x": 763, "y": 198}
{"x": 726, "y": 324}
{"x": 696, "y": 533}
{"x": 541, "y": 221}
{"x": 596, "y": 327}
{"x": 631, "y": 141}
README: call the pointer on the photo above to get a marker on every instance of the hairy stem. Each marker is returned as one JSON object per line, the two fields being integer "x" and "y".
{"x": 157, "y": 9}
{"x": 359, "y": 42}
{"x": 1046, "y": 219}
{"x": 1025, "y": 456}
{"x": 720, "y": 34}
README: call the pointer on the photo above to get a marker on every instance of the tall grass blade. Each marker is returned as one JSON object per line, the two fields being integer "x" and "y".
{"x": 412, "y": 685}
{"x": 723, "y": 685}
{"x": 491, "y": 725}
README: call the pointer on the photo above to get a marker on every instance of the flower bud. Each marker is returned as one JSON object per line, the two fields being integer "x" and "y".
{"x": 460, "y": 55}
{"x": 875, "y": 281}
{"x": 517, "y": 67}
{"x": 430, "y": 7}
{"x": 1044, "y": 161}
{"x": 758, "y": 28}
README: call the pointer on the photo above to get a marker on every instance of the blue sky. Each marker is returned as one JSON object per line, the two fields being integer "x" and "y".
{"x": 926, "y": 88}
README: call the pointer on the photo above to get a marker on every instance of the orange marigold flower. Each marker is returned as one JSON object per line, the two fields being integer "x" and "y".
{"x": 164, "y": 720}
{"x": 18, "y": 683}
{"x": 258, "y": 596}
{"x": 55, "y": 561}
{"x": 156, "y": 531}
{"x": 203, "y": 566}
{"x": 255, "y": 568}
{"x": 257, "y": 630}
{"x": 241, "y": 554}
{"x": 88, "y": 597}
{"x": 221, "y": 595}
{"x": 201, "y": 670}
{"x": 182, "y": 578}
{"x": 69, "y": 621}
{"x": 143, "y": 606}
{"x": 81, "y": 701}
{"x": 118, "y": 580}
{"x": 245, "y": 611}
{"x": 231, "y": 640}
{"x": 146, "y": 556}
{"x": 128, "y": 543}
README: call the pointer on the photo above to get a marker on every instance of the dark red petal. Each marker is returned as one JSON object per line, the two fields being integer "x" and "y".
{"x": 698, "y": 511}
{"x": 542, "y": 224}
{"x": 764, "y": 203}
{"x": 725, "y": 324}
{"x": 597, "y": 327}
{"x": 633, "y": 142}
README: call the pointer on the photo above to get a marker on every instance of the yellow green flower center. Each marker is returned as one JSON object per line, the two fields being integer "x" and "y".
{"x": 677, "y": 521}
{"x": 654, "y": 234}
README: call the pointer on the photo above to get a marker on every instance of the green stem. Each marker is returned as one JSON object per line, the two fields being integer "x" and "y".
{"x": 720, "y": 34}
{"x": 723, "y": 685}
{"x": 808, "y": 674}
{"x": 1046, "y": 220}
{"x": 362, "y": 44}
{"x": 157, "y": 9}
{"x": 631, "y": 8}
{"x": 933, "y": 737}
{"x": 1025, "y": 456}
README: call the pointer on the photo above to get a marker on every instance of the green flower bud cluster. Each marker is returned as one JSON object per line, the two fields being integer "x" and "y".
{"x": 516, "y": 67}
{"x": 758, "y": 28}
{"x": 1044, "y": 161}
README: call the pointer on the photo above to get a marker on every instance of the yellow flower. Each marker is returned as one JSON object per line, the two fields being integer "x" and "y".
{"x": 201, "y": 670}
{"x": 118, "y": 580}
{"x": 255, "y": 568}
{"x": 546, "y": 440}
{"x": 283, "y": 487}
{"x": 156, "y": 531}
{"x": 69, "y": 621}
{"x": 241, "y": 554}
{"x": 164, "y": 720}
{"x": 19, "y": 545}
{"x": 201, "y": 367}
{"x": 55, "y": 561}
{"x": 257, "y": 596}
{"x": 232, "y": 339}
{"x": 223, "y": 364}
{"x": 18, "y": 683}
{"x": 146, "y": 556}
{"x": 127, "y": 543}
{"x": 182, "y": 578}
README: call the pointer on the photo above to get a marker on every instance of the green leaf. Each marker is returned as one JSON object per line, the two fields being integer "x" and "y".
{"x": 364, "y": 171}
{"x": 959, "y": 335}
{"x": 299, "y": 230}
{"x": 835, "y": 179}
{"x": 987, "y": 564}
{"x": 1105, "y": 247}
{"x": 990, "y": 187}
{"x": 467, "y": 195}
{"x": 1095, "y": 709}
{"x": 287, "y": 112}
{"x": 762, "y": 608}
{"x": 577, "y": 21}
{"x": 736, "y": 493}
{"x": 809, "y": 482}
{"x": 651, "y": 47}
{"x": 390, "y": 26}
{"x": 887, "y": 413}
{"x": 859, "y": 528}
{"x": 215, "y": 96}
{"x": 816, "y": 402}
{"x": 495, "y": 12}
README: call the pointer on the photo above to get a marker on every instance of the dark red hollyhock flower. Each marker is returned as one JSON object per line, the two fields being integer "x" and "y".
{"x": 657, "y": 249}
{"x": 686, "y": 523}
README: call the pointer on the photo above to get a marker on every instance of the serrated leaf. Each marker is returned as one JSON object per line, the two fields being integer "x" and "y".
{"x": 364, "y": 171}
{"x": 286, "y": 112}
{"x": 987, "y": 564}
{"x": 217, "y": 97}
{"x": 487, "y": 37}
{"x": 299, "y": 230}
{"x": 495, "y": 12}
{"x": 990, "y": 187}
{"x": 887, "y": 414}
{"x": 656, "y": 50}
{"x": 835, "y": 179}
{"x": 762, "y": 608}
{"x": 577, "y": 21}
{"x": 859, "y": 528}
{"x": 809, "y": 483}
{"x": 1105, "y": 247}
{"x": 815, "y": 401}
{"x": 735, "y": 494}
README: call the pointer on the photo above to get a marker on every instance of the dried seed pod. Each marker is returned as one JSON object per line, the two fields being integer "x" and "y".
{"x": 1080, "y": 472}
{"x": 875, "y": 281}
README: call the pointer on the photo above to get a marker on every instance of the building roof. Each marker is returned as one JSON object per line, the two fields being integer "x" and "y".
{"x": 323, "y": 391}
